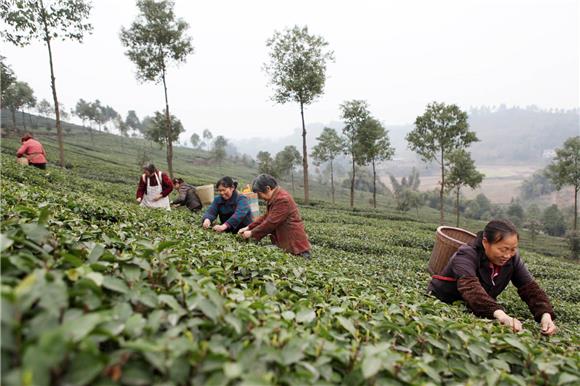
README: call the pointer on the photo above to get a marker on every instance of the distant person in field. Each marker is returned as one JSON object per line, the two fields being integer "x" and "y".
{"x": 154, "y": 188}
{"x": 479, "y": 272}
{"x": 282, "y": 220}
{"x": 33, "y": 151}
{"x": 187, "y": 195}
{"x": 232, "y": 208}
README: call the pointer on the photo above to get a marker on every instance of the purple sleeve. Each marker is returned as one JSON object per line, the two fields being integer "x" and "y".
{"x": 521, "y": 275}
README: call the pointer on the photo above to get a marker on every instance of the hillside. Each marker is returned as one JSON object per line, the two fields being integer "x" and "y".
{"x": 508, "y": 136}
{"x": 98, "y": 291}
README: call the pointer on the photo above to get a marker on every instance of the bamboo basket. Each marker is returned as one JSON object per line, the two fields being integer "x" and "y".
{"x": 447, "y": 242}
{"x": 205, "y": 194}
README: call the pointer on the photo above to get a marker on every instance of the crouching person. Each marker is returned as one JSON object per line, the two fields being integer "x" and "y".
{"x": 282, "y": 220}
{"x": 479, "y": 272}
{"x": 232, "y": 208}
{"x": 187, "y": 195}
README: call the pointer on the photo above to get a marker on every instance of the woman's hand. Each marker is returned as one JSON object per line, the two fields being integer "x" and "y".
{"x": 206, "y": 223}
{"x": 139, "y": 199}
{"x": 246, "y": 234}
{"x": 244, "y": 229}
{"x": 507, "y": 320}
{"x": 548, "y": 326}
{"x": 220, "y": 228}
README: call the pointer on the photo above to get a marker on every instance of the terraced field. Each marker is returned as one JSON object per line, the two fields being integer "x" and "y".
{"x": 96, "y": 290}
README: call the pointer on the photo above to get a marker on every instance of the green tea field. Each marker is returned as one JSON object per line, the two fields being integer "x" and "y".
{"x": 98, "y": 291}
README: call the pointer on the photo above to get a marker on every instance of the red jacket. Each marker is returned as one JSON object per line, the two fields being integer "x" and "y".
{"x": 33, "y": 151}
{"x": 284, "y": 224}
{"x": 166, "y": 185}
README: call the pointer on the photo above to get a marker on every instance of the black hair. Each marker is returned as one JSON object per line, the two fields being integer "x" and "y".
{"x": 177, "y": 181}
{"x": 494, "y": 232}
{"x": 262, "y": 182}
{"x": 150, "y": 167}
{"x": 226, "y": 182}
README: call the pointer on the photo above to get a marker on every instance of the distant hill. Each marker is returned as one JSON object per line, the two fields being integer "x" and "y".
{"x": 507, "y": 135}
{"x": 516, "y": 135}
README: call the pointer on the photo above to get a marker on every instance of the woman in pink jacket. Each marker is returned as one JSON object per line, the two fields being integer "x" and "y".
{"x": 33, "y": 151}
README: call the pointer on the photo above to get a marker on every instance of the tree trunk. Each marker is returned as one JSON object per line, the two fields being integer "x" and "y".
{"x": 90, "y": 133}
{"x": 14, "y": 120}
{"x": 332, "y": 181}
{"x": 293, "y": 191}
{"x": 457, "y": 206}
{"x": 352, "y": 184}
{"x": 577, "y": 188}
{"x": 53, "y": 85}
{"x": 168, "y": 131}
{"x": 304, "y": 156}
{"x": 374, "y": 186}
{"x": 23, "y": 120}
{"x": 441, "y": 191}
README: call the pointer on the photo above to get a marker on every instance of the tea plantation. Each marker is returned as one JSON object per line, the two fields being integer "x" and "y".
{"x": 97, "y": 291}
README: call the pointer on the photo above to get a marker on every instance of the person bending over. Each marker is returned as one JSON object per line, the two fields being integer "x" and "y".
{"x": 477, "y": 273}
{"x": 232, "y": 208}
{"x": 282, "y": 220}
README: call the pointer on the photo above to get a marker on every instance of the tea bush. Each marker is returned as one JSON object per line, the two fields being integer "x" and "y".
{"x": 96, "y": 290}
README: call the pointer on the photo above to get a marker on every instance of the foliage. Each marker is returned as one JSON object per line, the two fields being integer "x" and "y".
{"x": 441, "y": 130}
{"x": 553, "y": 220}
{"x": 46, "y": 109}
{"x": 573, "y": 239}
{"x": 297, "y": 65}
{"x": 406, "y": 192}
{"x": 207, "y": 136}
{"x": 266, "y": 163}
{"x": 7, "y": 76}
{"x": 46, "y": 21}
{"x": 364, "y": 182}
{"x": 354, "y": 114}
{"x": 17, "y": 96}
{"x": 156, "y": 129}
{"x": 565, "y": 170}
{"x": 95, "y": 291}
{"x": 533, "y": 221}
{"x": 538, "y": 184}
{"x": 219, "y": 148}
{"x": 122, "y": 126}
{"x": 461, "y": 172}
{"x": 132, "y": 121}
{"x": 515, "y": 213}
{"x": 155, "y": 40}
{"x": 297, "y": 71}
{"x": 195, "y": 140}
{"x": 375, "y": 146}
{"x": 329, "y": 146}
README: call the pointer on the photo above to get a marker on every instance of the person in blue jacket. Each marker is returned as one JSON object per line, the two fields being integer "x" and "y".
{"x": 232, "y": 208}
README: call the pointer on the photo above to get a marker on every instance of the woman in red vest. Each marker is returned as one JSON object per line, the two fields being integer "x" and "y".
{"x": 33, "y": 151}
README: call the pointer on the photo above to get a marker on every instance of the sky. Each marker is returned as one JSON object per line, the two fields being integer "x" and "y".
{"x": 397, "y": 55}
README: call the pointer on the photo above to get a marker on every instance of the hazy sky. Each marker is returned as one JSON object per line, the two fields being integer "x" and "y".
{"x": 398, "y": 55}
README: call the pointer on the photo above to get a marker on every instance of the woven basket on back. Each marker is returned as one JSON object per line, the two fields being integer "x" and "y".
{"x": 447, "y": 242}
{"x": 205, "y": 194}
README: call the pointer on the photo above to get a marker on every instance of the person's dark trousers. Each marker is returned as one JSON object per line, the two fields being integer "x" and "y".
{"x": 39, "y": 166}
